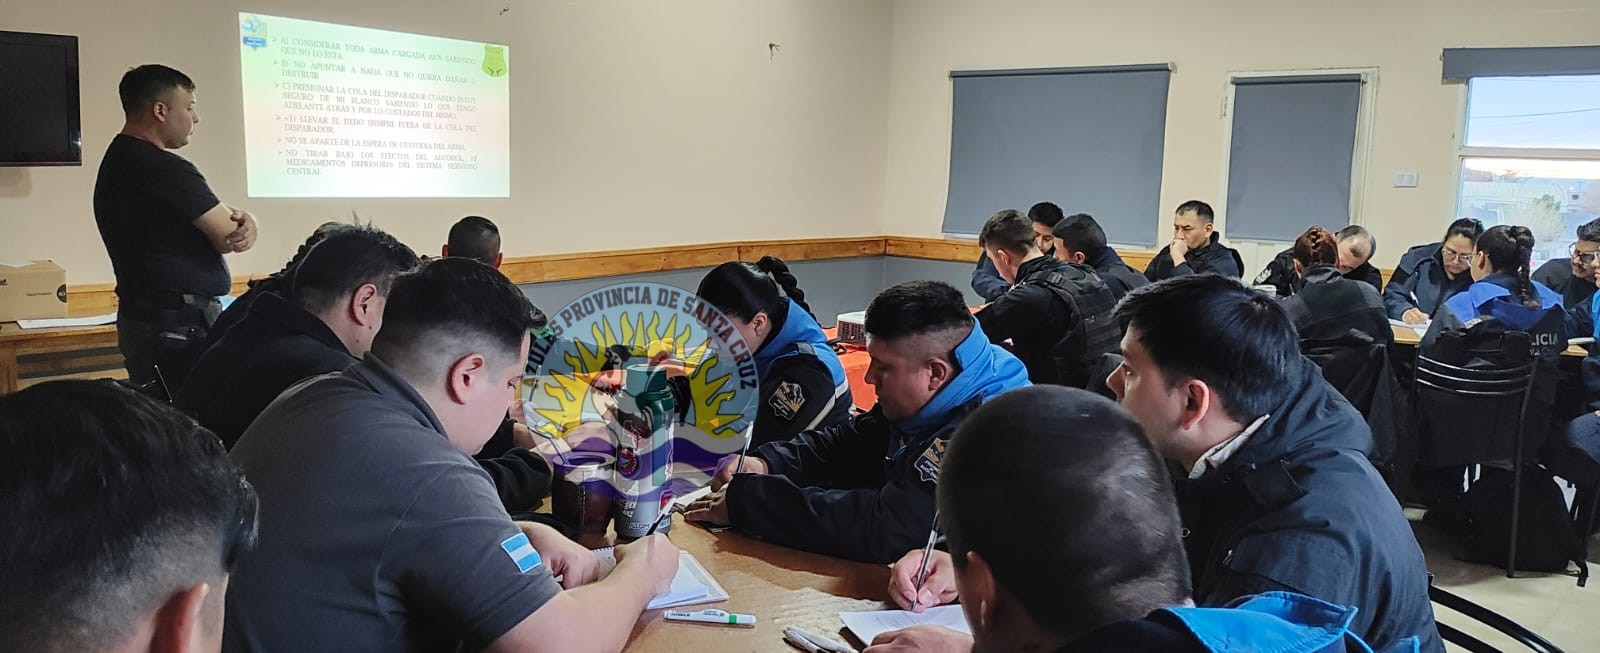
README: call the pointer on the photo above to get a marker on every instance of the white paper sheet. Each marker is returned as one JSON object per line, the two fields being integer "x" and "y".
{"x": 868, "y": 625}
{"x": 58, "y": 322}
{"x": 692, "y": 586}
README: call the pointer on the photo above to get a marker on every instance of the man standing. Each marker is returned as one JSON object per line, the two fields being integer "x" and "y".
{"x": 1194, "y": 248}
{"x": 164, "y": 230}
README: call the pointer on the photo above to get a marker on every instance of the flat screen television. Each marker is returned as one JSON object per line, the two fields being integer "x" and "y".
{"x": 39, "y": 121}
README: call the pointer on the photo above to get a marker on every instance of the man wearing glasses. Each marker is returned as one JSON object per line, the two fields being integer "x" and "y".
{"x": 1430, "y": 274}
{"x": 1573, "y": 278}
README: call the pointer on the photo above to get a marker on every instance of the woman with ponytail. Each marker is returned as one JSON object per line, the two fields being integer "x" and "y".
{"x": 803, "y": 385}
{"x": 1504, "y": 290}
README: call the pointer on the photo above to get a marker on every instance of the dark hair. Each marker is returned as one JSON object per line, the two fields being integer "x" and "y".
{"x": 279, "y": 280}
{"x": 346, "y": 260}
{"x": 1008, "y": 230}
{"x": 1212, "y": 328}
{"x": 1358, "y": 231}
{"x": 1045, "y": 213}
{"x": 742, "y": 290}
{"x": 449, "y": 307}
{"x": 1468, "y": 228}
{"x": 144, "y": 85}
{"x": 476, "y": 238}
{"x": 1316, "y": 247}
{"x": 111, "y": 502}
{"x": 1198, "y": 208}
{"x": 1590, "y": 231}
{"x": 1508, "y": 249}
{"x": 1080, "y": 233}
{"x": 1056, "y": 465}
{"x": 916, "y": 308}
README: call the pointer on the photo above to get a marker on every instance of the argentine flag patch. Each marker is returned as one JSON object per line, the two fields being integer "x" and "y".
{"x": 521, "y": 552}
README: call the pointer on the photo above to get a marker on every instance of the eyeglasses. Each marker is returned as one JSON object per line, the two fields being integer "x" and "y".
{"x": 1452, "y": 256}
{"x": 1582, "y": 257}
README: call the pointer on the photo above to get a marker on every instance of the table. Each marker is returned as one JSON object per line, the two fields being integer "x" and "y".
{"x": 780, "y": 586}
{"x": 16, "y": 341}
{"x": 1407, "y": 336}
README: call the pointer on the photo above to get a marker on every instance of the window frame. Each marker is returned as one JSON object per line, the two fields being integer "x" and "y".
{"x": 1360, "y": 154}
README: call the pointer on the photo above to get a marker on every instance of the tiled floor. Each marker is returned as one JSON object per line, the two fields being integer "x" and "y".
{"x": 1549, "y": 604}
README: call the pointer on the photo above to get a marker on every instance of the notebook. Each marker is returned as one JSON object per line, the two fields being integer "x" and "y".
{"x": 868, "y": 625}
{"x": 692, "y": 586}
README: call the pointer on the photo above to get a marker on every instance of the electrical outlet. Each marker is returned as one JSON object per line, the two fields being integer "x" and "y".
{"x": 1405, "y": 179}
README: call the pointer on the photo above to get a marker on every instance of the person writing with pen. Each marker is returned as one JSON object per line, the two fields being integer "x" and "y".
{"x": 863, "y": 490}
{"x": 1430, "y": 274}
{"x": 1044, "y": 559}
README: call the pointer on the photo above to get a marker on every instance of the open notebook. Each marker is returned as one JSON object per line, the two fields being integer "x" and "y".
{"x": 692, "y": 586}
{"x": 868, "y": 625}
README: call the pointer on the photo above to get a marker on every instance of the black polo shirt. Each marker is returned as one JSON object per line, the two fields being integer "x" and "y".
{"x": 146, "y": 202}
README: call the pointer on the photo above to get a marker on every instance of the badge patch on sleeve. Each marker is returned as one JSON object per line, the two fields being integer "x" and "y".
{"x": 928, "y": 463}
{"x": 521, "y": 552}
{"x": 787, "y": 401}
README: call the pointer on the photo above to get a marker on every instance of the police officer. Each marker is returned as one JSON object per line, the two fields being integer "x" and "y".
{"x": 1057, "y": 314}
{"x": 803, "y": 384}
{"x": 1194, "y": 248}
{"x": 1079, "y": 239}
{"x": 1430, "y": 274}
{"x": 986, "y": 280}
{"x": 164, "y": 230}
{"x": 1355, "y": 247}
{"x": 864, "y": 489}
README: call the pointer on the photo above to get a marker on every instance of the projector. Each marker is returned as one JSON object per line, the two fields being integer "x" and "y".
{"x": 852, "y": 328}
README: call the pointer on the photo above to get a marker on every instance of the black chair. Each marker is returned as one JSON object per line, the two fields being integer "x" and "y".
{"x": 1486, "y": 617}
{"x": 1462, "y": 416}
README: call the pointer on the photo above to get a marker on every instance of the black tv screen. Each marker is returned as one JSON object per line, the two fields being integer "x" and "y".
{"x": 39, "y": 122}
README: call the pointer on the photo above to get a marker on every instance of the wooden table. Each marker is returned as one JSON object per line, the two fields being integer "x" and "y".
{"x": 16, "y": 341}
{"x": 1409, "y": 337}
{"x": 780, "y": 586}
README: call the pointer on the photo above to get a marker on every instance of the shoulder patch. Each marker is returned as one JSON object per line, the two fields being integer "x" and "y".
{"x": 787, "y": 400}
{"x": 522, "y": 552}
{"x": 928, "y": 463}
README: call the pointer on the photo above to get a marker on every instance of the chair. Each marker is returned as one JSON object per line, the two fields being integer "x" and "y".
{"x": 1486, "y": 617}
{"x": 1470, "y": 405}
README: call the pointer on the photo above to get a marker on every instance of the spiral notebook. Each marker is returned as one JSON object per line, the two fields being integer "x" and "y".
{"x": 692, "y": 586}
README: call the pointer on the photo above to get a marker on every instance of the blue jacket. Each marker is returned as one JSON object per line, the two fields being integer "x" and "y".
{"x": 1283, "y": 622}
{"x": 864, "y": 490}
{"x": 803, "y": 384}
{"x": 1420, "y": 282}
{"x": 1300, "y": 508}
{"x": 1492, "y": 298}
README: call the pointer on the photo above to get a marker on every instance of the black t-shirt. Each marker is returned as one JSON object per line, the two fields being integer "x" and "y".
{"x": 146, "y": 202}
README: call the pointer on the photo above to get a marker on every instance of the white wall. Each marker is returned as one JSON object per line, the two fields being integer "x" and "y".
{"x": 1416, "y": 115}
{"x": 636, "y": 123}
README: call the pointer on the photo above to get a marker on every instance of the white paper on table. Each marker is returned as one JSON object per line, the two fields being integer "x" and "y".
{"x": 58, "y": 322}
{"x": 682, "y": 503}
{"x": 868, "y": 625}
{"x": 1421, "y": 329}
{"x": 692, "y": 586}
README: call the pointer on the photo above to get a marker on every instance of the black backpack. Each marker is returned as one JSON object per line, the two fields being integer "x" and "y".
{"x": 1545, "y": 540}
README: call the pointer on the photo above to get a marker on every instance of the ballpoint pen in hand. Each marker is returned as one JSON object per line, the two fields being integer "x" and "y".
{"x": 927, "y": 553}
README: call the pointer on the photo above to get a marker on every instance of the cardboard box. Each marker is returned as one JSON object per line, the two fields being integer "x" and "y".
{"x": 35, "y": 290}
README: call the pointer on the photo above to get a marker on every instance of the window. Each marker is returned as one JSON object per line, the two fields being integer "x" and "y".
{"x": 1529, "y": 150}
{"x": 1088, "y": 139}
{"x": 1294, "y": 153}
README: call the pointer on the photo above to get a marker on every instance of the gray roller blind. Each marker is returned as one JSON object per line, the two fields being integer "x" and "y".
{"x": 1464, "y": 63}
{"x": 1289, "y": 160}
{"x": 1088, "y": 139}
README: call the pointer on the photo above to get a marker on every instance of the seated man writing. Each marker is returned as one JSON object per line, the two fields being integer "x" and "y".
{"x": 1080, "y": 547}
{"x": 864, "y": 489}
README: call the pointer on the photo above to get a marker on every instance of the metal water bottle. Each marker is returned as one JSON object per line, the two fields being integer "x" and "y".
{"x": 643, "y": 429}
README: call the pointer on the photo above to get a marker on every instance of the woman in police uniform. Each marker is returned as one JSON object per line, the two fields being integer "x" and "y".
{"x": 803, "y": 385}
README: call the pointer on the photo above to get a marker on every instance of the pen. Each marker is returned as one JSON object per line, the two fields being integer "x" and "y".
{"x": 821, "y": 642}
{"x": 712, "y": 617}
{"x": 801, "y": 642}
{"x": 927, "y": 552}
{"x": 749, "y": 433}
